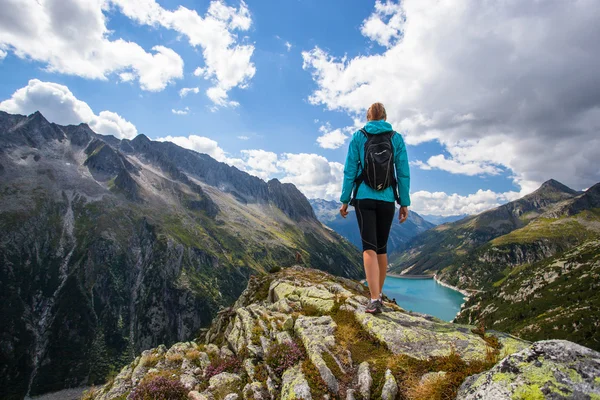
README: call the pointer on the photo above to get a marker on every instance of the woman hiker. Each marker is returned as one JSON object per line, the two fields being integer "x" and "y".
{"x": 376, "y": 175}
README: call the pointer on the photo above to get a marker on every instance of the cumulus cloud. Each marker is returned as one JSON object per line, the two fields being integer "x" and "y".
{"x": 384, "y": 26}
{"x": 440, "y": 203}
{"x": 331, "y": 139}
{"x": 185, "y": 91}
{"x": 313, "y": 174}
{"x": 454, "y": 166}
{"x": 185, "y": 111}
{"x": 218, "y": 95}
{"x": 496, "y": 84}
{"x": 200, "y": 144}
{"x": 259, "y": 163}
{"x": 227, "y": 62}
{"x": 71, "y": 37}
{"x": 59, "y": 105}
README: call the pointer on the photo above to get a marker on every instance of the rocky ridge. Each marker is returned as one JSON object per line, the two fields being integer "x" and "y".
{"x": 531, "y": 265}
{"x": 444, "y": 245}
{"x": 303, "y": 334}
{"x": 115, "y": 246}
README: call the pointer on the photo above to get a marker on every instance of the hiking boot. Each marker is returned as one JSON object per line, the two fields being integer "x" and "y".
{"x": 374, "y": 307}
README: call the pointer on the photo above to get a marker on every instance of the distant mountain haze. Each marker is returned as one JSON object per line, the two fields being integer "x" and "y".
{"x": 110, "y": 247}
{"x": 328, "y": 213}
{"x": 440, "y": 219}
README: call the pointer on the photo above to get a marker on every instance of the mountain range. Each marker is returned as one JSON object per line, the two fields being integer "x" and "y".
{"x": 441, "y": 219}
{"x": 109, "y": 247}
{"x": 532, "y": 264}
{"x": 328, "y": 213}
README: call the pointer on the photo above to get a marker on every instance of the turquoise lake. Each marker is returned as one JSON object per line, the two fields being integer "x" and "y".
{"x": 425, "y": 296}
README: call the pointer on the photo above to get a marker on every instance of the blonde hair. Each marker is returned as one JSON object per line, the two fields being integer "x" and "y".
{"x": 376, "y": 112}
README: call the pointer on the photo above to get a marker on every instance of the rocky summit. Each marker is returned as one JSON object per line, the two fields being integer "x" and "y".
{"x": 303, "y": 334}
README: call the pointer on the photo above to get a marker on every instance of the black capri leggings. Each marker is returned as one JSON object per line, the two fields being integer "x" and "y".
{"x": 375, "y": 219}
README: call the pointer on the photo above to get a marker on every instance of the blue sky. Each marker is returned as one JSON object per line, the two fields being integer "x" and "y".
{"x": 477, "y": 106}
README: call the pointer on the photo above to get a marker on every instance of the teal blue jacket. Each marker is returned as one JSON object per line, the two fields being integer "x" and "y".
{"x": 356, "y": 152}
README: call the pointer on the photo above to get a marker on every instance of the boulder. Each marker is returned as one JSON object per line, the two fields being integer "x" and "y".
{"x": 390, "y": 387}
{"x": 364, "y": 380}
{"x": 256, "y": 391}
{"x": 317, "y": 336}
{"x": 422, "y": 338}
{"x": 551, "y": 369}
{"x": 225, "y": 383}
{"x": 294, "y": 385}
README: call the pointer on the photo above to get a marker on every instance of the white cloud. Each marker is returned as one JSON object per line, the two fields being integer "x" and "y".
{"x": 331, "y": 139}
{"x": 420, "y": 164}
{"x": 454, "y": 166}
{"x": 227, "y": 62}
{"x": 185, "y": 111}
{"x": 197, "y": 143}
{"x": 259, "y": 163}
{"x": 288, "y": 46}
{"x": 313, "y": 174}
{"x": 59, "y": 105}
{"x": 199, "y": 71}
{"x": 243, "y": 137}
{"x": 3, "y": 54}
{"x": 440, "y": 203}
{"x": 71, "y": 37}
{"x": 185, "y": 91}
{"x": 484, "y": 80}
{"x": 127, "y": 77}
{"x": 218, "y": 96}
{"x": 384, "y": 33}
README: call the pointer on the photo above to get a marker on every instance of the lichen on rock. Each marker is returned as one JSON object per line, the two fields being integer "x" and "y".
{"x": 554, "y": 369}
{"x": 399, "y": 348}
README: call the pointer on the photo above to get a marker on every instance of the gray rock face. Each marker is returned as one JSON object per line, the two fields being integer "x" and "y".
{"x": 317, "y": 335}
{"x": 117, "y": 246}
{"x": 553, "y": 369}
{"x": 294, "y": 385}
{"x": 364, "y": 380}
{"x": 225, "y": 384}
{"x": 390, "y": 387}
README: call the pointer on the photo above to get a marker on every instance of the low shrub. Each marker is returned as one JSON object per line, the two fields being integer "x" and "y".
{"x": 159, "y": 387}
{"x": 175, "y": 358}
{"x": 274, "y": 270}
{"x": 227, "y": 364}
{"x": 150, "y": 360}
{"x": 193, "y": 355}
{"x": 283, "y": 356}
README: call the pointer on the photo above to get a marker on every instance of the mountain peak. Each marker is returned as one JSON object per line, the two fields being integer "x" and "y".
{"x": 38, "y": 117}
{"x": 552, "y": 184}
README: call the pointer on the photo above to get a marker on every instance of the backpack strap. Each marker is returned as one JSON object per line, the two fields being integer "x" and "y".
{"x": 395, "y": 182}
{"x": 361, "y": 177}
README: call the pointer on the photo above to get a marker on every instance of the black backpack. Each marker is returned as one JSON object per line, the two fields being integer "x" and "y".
{"x": 378, "y": 172}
